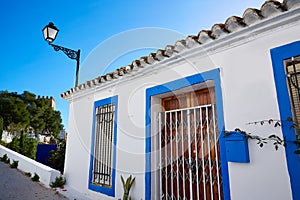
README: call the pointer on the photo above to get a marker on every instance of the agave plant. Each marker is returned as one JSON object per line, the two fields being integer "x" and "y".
{"x": 127, "y": 186}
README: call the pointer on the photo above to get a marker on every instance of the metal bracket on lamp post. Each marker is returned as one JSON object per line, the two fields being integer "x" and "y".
{"x": 74, "y": 55}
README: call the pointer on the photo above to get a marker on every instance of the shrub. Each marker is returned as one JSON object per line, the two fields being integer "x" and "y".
{"x": 2, "y": 143}
{"x": 28, "y": 174}
{"x": 23, "y": 145}
{"x": 14, "y": 164}
{"x": 30, "y": 147}
{"x": 57, "y": 157}
{"x": 7, "y": 161}
{"x": 1, "y": 127}
{"x": 35, "y": 178}
{"x": 4, "y": 158}
{"x": 59, "y": 182}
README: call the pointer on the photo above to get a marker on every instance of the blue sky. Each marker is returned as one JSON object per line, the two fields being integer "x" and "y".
{"x": 29, "y": 63}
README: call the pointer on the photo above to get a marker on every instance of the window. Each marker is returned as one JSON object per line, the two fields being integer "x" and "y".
{"x": 284, "y": 65}
{"x": 292, "y": 69}
{"x": 102, "y": 166}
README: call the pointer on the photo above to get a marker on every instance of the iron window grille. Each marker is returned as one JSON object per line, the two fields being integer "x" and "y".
{"x": 292, "y": 70}
{"x": 103, "y": 146}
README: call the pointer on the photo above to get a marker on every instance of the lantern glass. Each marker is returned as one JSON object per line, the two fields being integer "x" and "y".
{"x": 50, "y": 32}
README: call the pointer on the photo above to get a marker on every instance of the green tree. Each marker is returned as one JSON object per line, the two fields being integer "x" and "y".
{"x": 20, "y": 112}
{"x": 45, "y": 119}
{"x": 1, "y": 127}
{"x": 28, "y": 97}
{"x": 14, "y": 144}
{"x": 24, "y": 145}
{"x": 52, "y": 122}
{"x": 29, "y": 147}
{"x": 37, "y": 119}
{"x": 14, "y": 128}
{"x": 57, "y": 157}
{"x": 13, "y": 110}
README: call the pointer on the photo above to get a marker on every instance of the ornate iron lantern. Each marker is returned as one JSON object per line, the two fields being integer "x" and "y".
{"x": 50, "y": 32}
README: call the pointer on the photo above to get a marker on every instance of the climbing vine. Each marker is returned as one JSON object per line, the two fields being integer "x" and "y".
{"x": 274, "y": 139}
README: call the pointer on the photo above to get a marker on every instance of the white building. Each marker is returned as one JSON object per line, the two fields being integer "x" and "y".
{"x": 221, "y": 79}
{"x": 6, "y": 137}
{"x": 62, "y": 134}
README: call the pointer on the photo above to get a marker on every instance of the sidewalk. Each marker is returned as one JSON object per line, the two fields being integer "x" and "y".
{"x": 15, "y": 185}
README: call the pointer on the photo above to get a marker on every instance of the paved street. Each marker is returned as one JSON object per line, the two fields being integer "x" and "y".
{"x": 15, "y": 185}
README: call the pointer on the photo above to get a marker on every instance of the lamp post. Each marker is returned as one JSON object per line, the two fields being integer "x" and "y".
{"x": 50, "y": 32}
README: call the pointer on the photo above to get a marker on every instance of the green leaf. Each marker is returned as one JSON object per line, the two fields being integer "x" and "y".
{"x": 122, "y": 179}
{"x": 277, "y": 124}
{"x": 226, "y": 133}
{"x": 132, "y": 182}
{"x": 272, "y": 136}
{"x": 289, "y": 119}
{"x": 237, "y": 130}
{"x": 297, "y": 151}
{"x": 127, "y": 186}
{"x": 261, "y": 144}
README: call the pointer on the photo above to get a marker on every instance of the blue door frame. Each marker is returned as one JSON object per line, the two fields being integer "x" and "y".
{"x": 175, "y": 85}
{"x": 278, "y": 55}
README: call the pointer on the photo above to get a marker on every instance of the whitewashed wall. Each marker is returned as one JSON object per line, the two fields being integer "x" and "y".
{"x": 248, "y": 95}
{"x": 47, "y": 174}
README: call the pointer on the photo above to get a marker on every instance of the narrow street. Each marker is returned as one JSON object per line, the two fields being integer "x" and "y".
{"x": 15, "y": 185}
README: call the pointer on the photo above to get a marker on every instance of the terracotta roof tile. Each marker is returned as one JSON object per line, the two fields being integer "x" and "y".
{"x": 291, "y": 4}
{"x": 270, "y": 8}
{"x": 219, "y": 30}
{"x": 180, "y": 45}
{"x": 160, "y": 54}
{"x": 151, "y": 58}
{"x": 251, "y": 16}
{"x": 191, "y": 41}
{"x": 205, "y": 36}
{"x": 169, "y": 50}
{"x": 232, "y": 24}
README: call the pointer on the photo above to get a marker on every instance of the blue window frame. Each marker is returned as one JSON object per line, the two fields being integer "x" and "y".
{"x": 175, "y": 85}
{"x": 278, "y": 55}
{"x": 102, "y": 172}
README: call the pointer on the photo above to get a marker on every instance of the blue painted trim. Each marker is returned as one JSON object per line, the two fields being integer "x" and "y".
{"x": 97, "y": 188}
{"x": 175, "y": 85}
{"x": 278, "y": 55}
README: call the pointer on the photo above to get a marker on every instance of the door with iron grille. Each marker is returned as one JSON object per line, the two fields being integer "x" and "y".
{"x": 189, "y": 149}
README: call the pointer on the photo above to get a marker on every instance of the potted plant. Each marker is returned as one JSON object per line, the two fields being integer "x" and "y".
{"x": 127, "y": 186}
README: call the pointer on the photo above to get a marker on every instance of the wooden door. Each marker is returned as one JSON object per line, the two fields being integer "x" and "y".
{"x": 190, "y": 157}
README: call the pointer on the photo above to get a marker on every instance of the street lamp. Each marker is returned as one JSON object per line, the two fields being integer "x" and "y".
{"x": 50, "y": 32}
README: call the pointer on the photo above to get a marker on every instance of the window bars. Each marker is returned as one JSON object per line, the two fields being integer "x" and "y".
{"x": 103, "y": 145}
{"x": 189, "y": 154}
{"x": 292, "y": 69}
